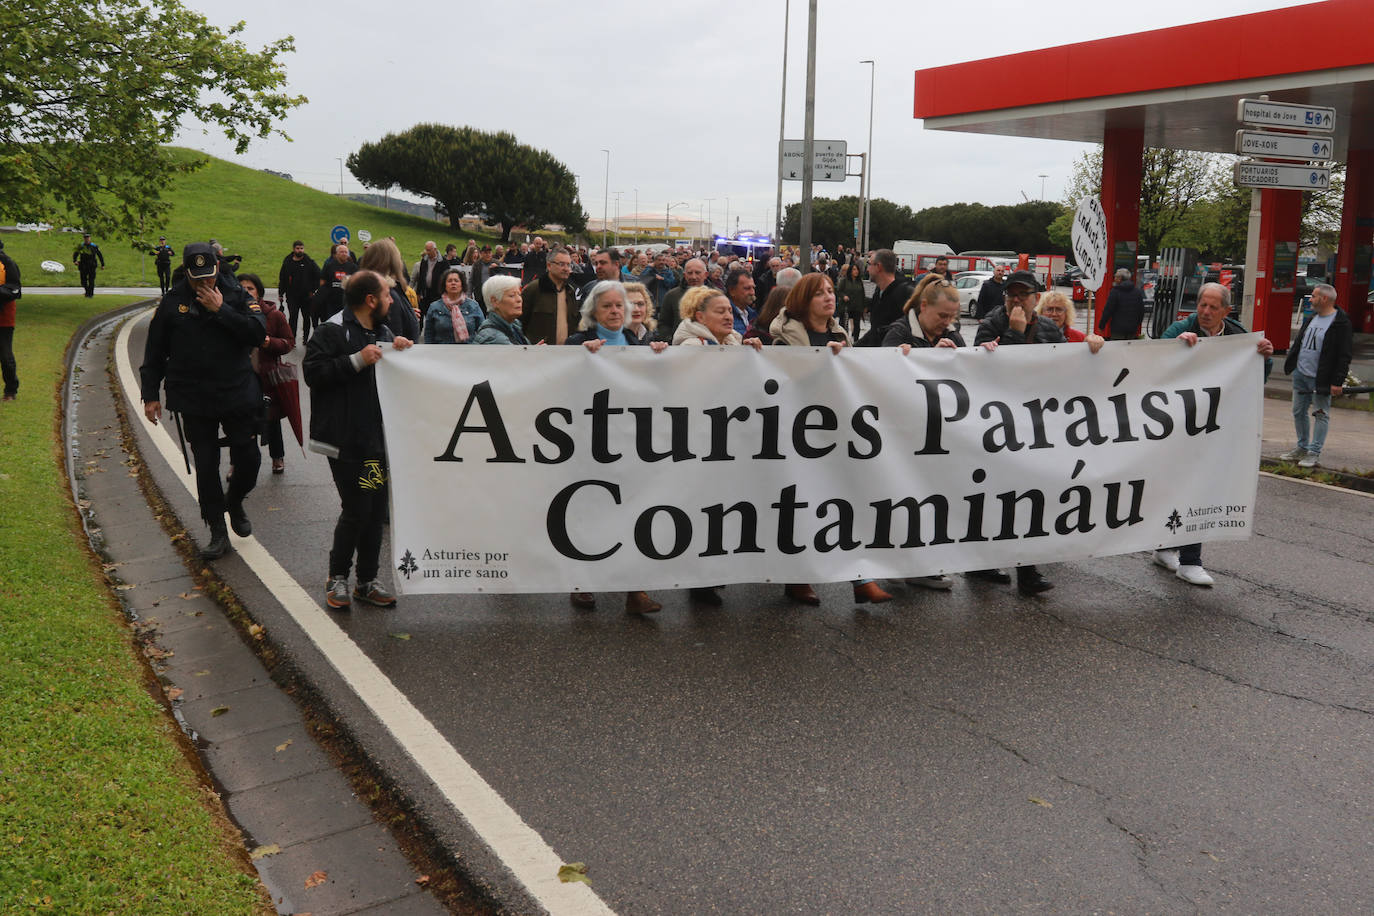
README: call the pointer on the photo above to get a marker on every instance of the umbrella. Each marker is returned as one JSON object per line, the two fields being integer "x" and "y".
{"x": 286, "y": 397}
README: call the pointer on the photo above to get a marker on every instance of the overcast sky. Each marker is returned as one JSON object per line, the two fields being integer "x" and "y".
{"x": 686, "y": 101}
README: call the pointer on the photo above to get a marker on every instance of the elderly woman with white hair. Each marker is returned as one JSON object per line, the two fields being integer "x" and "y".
{"x": 505, "y": 304}
{"x": 605, "y": 317}
{"x": 604, "y": 312}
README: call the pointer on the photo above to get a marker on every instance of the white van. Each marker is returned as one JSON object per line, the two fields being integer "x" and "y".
{"x": 908, "y": 251}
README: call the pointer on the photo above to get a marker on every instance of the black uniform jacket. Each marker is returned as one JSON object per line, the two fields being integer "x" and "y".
{"x": 203, "y": 356}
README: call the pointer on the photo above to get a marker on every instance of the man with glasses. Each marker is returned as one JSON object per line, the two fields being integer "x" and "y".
{"x": 1015, "y": 322}
{"x": 551, "y": 311}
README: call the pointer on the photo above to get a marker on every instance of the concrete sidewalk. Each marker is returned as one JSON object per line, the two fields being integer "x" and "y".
{"x": 1350, "y": 441}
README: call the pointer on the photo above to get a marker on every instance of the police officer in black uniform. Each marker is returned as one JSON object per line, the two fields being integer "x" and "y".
{"x": 163, "y": 260}
{"x": 199, "y": 343}
{"x": 84, "y": 257}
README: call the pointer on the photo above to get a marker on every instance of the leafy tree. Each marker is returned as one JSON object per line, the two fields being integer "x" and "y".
{"x": 832, "y": 222}
{"x": 966, "y": 227}
{"x": 472, "y": 171}
{"x": 1172, "y": 182}
{"x": 90, "y": 91}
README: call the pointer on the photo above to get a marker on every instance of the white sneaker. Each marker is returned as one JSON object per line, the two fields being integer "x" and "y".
{"x": 1293, "y": 454}
{"x": 1168, "y": 559}
{"x": 1194, "y": 575}
{"x": 1309, "y": 461}
{"x": 938, "y": 583}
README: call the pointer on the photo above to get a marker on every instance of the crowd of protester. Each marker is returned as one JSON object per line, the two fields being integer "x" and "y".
{"x": 540, "y": 294}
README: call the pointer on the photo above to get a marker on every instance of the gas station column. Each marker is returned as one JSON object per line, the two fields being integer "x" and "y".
{"x": 1357, "y": 232}
{"x": 1123, "y": 163}
{"x": 1276, "y": 267}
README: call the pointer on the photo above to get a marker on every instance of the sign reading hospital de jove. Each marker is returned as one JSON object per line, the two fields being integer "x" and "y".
{"x": 1263, "y": 113}
{"x": 830, "y": 159}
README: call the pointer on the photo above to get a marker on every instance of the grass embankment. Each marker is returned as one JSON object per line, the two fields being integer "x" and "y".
{"x": 250, "y": 212}
{"x": 99, "y": 810}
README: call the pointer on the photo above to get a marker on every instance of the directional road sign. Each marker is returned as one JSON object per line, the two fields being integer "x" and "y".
{"x": 1279, "y": 114}
{"x": 1283, "y": 146}
{"x": 1250, "y": 174}
{"x": 830, "y": 162}
{"x": 338, "y": 234}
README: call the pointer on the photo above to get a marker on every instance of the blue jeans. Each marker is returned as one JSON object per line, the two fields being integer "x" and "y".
{"x": 1305, "y": 395}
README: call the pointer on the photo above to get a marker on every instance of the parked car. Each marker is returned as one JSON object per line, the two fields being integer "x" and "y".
{"x": 968, "y": 284}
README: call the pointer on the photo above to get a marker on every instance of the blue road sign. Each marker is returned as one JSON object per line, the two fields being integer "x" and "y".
{"x": 339, "y": 234}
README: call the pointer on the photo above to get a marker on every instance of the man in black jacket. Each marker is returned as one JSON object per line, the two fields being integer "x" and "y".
{"x": 10, "y": 290}
{"x": 85, "y": 257}
{"x": 199, "y": 342}
{"x": 162, "y": 259}
{"x": 346, "y": 426}
{"x": 297, "y": 281}
{"x": 1318, "y": 363}
{"x": 992, "y": 292}
{"x": 1125, "y": 308}
{"x": 886, "y": 304}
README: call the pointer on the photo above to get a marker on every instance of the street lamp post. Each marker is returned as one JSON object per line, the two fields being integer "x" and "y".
{"x": 782, "y": 123}
{"x": 605, "y": 197}
{"x": 340, "y": 158}
{"x": 868, "y": 160}
{"x": 616, "y": 238}
{"x": 1042, "y": 186}
{"x": 636, "y": 216}
{"x": 709, "y": 221}
{"x": 667, "y": 210}
{"x": 728, "y": 233}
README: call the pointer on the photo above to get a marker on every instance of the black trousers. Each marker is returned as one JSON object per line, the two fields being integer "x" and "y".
{"x": 164, "y": 277}
{"x": 202, "y": 435}
{"x": 7, "y": 364}
{"x": 362, "y": 486}
{"x": 87, "y": 278}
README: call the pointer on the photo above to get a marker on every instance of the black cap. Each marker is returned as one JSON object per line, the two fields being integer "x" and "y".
{"x": 162, "y": 238}
{"x": 1024, "y": 278}
{"x": 200, "y": 261}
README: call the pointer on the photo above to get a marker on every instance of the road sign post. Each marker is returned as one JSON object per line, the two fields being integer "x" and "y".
{"x": 1251, "y": 174}
{"x": 1264, "y": 113}
{"x": 1298, "y": 147}
{"x": 830, "y": 162}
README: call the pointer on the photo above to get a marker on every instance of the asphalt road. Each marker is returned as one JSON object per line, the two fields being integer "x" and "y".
{"x": 1127, "y": 743}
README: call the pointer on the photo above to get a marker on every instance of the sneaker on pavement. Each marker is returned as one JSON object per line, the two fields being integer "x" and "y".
{"x": 1310, "y": 461}
{"x": 1194, "y": 575}
{"x": 374, "y": 593}
{"x": 1168, "y": 559}
{"x": 336, "y": 592}
{"x": 1293, "y": 454}
{"x": 937, "y": 583}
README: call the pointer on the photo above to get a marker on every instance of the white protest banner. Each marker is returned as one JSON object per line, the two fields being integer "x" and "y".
{"x": 542, "y": 469}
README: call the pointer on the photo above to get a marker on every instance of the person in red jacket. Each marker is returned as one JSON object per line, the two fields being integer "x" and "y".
{"x": 278, "y": 342}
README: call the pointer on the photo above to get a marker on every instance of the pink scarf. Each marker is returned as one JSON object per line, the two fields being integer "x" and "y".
{"x": 460, "y": 324}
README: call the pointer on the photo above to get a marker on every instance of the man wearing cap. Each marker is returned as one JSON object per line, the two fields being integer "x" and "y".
{"x": 1015, "y": 322}
{"x": 199, "y": 343}
{"x": 84, "y": 257}
{"x": 162, "y": 259}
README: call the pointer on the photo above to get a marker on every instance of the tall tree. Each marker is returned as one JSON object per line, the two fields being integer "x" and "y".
{"x": 90, "y": 91}
{"x": 1172, "y": 182}
{"x": 467, "y": 170}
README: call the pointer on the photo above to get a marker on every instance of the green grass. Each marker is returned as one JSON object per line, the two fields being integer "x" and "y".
{"x": 250, "y": 212}
{"x": 99, "y": 810}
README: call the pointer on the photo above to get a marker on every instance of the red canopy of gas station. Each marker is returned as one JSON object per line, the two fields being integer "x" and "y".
{"x": 1178, "y": 88}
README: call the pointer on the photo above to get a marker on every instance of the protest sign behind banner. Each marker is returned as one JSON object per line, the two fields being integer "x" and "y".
{"x": 544, "y": 469}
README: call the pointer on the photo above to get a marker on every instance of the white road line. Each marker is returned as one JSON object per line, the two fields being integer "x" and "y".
{"x": 523, "y": 850}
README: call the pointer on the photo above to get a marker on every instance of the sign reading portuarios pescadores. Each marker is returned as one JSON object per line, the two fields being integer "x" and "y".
{"x": 542, "y": 469}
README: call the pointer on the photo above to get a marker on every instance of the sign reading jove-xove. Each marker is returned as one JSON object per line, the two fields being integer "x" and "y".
{"x": 544, "y": 469}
